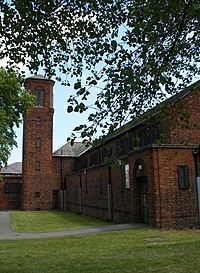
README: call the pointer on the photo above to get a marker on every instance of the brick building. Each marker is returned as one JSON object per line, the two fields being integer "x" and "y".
{"x": 11, "y": 186}
{"x": 144, "y": 172}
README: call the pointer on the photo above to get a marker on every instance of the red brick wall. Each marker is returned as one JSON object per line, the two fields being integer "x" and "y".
{"x": 174, "y": 207}
{"x": 38, "y": 184}
{"x": 185, "y": 125}
{"x": 10, "y": 201}
{"x": 95, "y": 191}
{"x": 61, "y": 167}
{"x": 169, "y": 206}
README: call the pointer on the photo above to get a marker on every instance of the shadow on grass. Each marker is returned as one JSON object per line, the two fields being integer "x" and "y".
{"x": 48, "y": 221}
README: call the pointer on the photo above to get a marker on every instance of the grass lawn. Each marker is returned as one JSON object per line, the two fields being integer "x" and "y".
{"x": 112, "y": 252}
{"x": 47, "y": 221}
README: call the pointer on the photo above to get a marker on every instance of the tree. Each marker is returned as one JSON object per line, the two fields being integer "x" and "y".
{"x": 135, "y": 53}
{"x": 14, "y": 101}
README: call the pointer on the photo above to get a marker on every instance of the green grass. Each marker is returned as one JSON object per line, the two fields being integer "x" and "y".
{"x": 47, "y": 221}
{"x": 113, "y": 252}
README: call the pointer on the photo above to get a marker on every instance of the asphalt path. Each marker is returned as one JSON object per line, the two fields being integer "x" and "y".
{"x": 7, "y": 234}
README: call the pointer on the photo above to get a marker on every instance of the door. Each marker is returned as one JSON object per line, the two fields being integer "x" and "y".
{"x": 143, "y": 200}
{"x": 55, "y": 199}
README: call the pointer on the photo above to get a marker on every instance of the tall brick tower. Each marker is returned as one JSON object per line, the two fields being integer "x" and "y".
{"x": 38, "y": 182}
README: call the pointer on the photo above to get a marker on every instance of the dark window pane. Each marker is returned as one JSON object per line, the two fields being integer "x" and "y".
{"x": 12, "y": 187}
{"x": 37, "y": 194}
{"x": 37, "y": 165}
{"x": 94, "y": 158}
{"x": 183, "y": 178}
{"x": 39, "y": 93}
{"x": 38, "y": 121}
{"x": 38, "y": 142}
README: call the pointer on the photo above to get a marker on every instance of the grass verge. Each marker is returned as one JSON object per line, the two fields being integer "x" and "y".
{"x": 47, "y": 221}
{"x": 113, "y": 252}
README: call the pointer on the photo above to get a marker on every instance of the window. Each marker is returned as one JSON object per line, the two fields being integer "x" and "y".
{"x": 106, "y": 152}
{"x": 147, "y": 135}
{"x": 38, "y": 143}
{"x": 37, "y": 194}
{"x": 12, "y": 187}
{"x": 127, "y": 176}
{"x": 39, "y": 93}
{"x": 38, "y": 121}
{"x": 124, "y": 177}
{"x": 94, "y": 158}
{"x": 183, "y": 179}
{"x": 124, "y": 145}
{"x": 37, "y": 165}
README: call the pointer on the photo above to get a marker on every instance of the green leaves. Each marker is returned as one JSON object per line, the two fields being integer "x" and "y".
{"x": 125, "y": 55}
{"x": 69, "y": 109}
{"x": 14, "y": 102}
{"x": 77, "y": 85}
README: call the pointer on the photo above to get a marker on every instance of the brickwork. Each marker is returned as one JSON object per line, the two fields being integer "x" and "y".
{"x": 185, "y": 125}
{"x": 38, "y": 175}
{"x": 10, "y": 200}
{"x": 168, "y": 204}
{"x": 175, "y": 207}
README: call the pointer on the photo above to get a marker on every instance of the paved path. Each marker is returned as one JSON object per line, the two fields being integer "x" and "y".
{"x": 7, "y": 234}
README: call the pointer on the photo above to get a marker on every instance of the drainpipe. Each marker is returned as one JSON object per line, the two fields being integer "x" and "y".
{"x": 61, "y": 182}
{"x": 110, "y": 205}
{"x": 159, "y": 190}
{"x": 80, "y": 194}
{"x": 66, "y": 179}
{"x": 196, "y": 155}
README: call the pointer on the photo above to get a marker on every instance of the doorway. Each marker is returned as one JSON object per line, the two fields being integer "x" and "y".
{"x": 55, "y": 199}
{"x": 143, "y": 199}
{"x": 142, "y": 192}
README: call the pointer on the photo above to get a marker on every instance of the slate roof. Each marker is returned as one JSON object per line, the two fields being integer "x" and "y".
{"x": 14, "y": 168}
{"x": 69, "y": 150}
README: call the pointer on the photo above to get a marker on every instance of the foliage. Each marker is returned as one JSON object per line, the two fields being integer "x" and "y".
{"x": 14, "y": 101}
{"x": 121, "y": 251}
{"x": 133, "y": 53}
{"x": 48, "y": 221}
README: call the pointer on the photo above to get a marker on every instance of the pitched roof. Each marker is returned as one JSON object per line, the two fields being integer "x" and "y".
{"x": 69, "y": 150}
{"x": 14, "y": 168}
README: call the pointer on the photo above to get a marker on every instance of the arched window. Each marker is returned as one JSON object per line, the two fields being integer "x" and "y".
{"x": 39, "y": 93}
{"x": 140, "y": 169}
{"x": 38, "y": 143}
{"x": 38, "y": 121}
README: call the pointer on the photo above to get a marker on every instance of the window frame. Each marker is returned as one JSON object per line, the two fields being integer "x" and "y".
{"x": 13, "y": 187}
{"x": 37, "y": 165}
{"x": 183, "y": 177}
{"x": 38, "y": 143}
{"x": 39, "y": 93}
